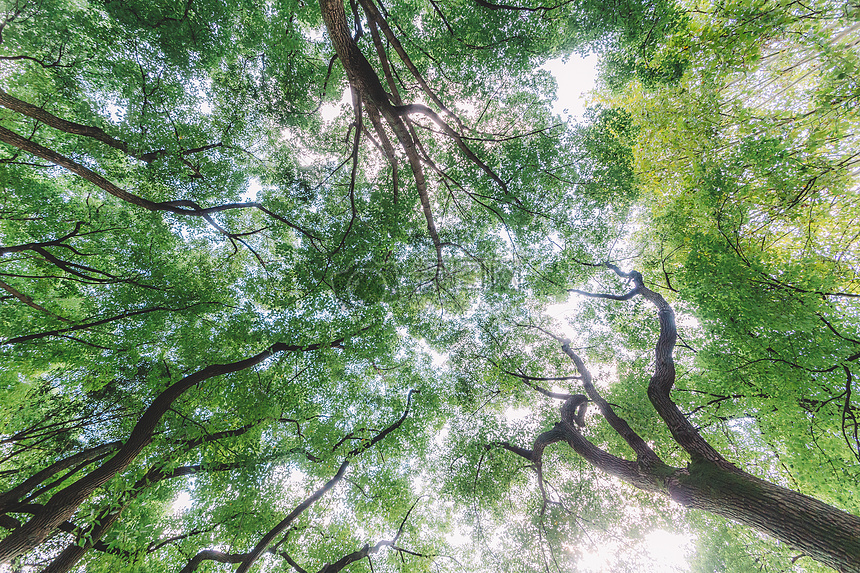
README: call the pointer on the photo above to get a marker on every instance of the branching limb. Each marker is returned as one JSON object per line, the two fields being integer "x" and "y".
{"x": 29, "y": 301}
{"x": 633, "y": 275}
{"x": 450, "y": 132}
{"x": 530, "y": 381}
{"x": 643, "y": 451}
{"x": 663, "y": 380}
{"x": 367, "y": 550}
{"x": 34, "y": 112}
{"x": 358, "y": 127}
{"x": 65, "y": 502}
{"x": 626, "y": 296}
{"x": 36, "y": 336}
{"x": 56, "y": 242}
{"x": 292, "y": 563}
{"x": 376, "y": 17}
{"x": 11, "y": 497}
{"x": 90, "y": 537}
{"x": 181, "y": 207}
{"x": 267, "y": 539}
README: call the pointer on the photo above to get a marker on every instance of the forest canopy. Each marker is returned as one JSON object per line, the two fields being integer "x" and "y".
{"x": 280, "y": 280}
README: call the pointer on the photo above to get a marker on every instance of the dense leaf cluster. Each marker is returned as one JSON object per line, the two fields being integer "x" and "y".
{"x": 276, "y": 281}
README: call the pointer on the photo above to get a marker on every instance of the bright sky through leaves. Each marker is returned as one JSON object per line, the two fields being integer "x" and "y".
{"x": 576, "y": 77}
{"x": 285, "y": 286}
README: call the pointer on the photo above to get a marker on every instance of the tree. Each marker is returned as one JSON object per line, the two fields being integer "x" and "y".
{"x": 709, "y": 482}
{"x": 233, "y": 231}
{"x": 750, "y": 241}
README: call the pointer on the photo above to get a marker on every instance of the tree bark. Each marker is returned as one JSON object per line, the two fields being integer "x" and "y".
{"x": 364, "y": 79}
{"x": 821, "y": 531}
{"x": 9, "y": 499}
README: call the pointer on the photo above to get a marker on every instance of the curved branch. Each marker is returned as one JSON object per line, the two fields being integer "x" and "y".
{"x": 10, "y": 102}
{"x": 663, "y": 379}
{"x": 176, "y": 207}
{"x": 11, "y": 497}
{"x": 266, "y": 541}
{"x": 643, "y": 451}
{"x": 211, "y": 555}
{"x": 65, "y": 502}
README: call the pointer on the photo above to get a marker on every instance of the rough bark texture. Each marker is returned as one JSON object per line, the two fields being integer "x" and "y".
{"x": 39, "y": 114}
{"x": 363, "y": 79}
{"x": 823, "y": 532}
{"x": 11, "y": 498}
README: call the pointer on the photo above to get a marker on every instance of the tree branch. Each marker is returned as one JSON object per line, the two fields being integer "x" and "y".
{"x": 64, "y": 503}
{"x": 263, "y": 544}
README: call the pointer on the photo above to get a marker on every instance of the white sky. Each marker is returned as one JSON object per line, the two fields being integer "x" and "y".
{"x": 575, "y": 78}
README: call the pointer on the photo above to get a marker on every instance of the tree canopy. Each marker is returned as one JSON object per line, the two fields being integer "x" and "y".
{"x": 278, "y": 286}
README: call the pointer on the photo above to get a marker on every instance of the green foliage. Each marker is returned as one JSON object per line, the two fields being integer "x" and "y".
{"x": 209, "y": 190}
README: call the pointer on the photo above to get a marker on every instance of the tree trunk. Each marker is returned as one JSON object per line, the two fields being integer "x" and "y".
{"x": 709, "y": 482}
{"x": 821, "y": 531}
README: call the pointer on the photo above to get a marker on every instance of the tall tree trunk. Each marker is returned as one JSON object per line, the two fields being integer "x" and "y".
{"x": 821, "y": 531}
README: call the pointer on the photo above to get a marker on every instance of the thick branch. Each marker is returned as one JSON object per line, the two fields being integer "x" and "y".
{"x": 644, "y": 453}
{"x": 182, "y": 207}
{"x": 375, "y": 16}
{"x": 450, "y": 132}
{"x": 663, "y": 380}
{"x": 65, "y": 502}
{"x": 39, "y": 114}
{"x": 15, "y": 140}
{"x": 364, "y": 79}
{"x": 11, "y": 497}
{"x": 97, "y": 133}
{"x": 211, "y": 555}
{"x": 29, "y": 300}
{"x": 90, "y": 537}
